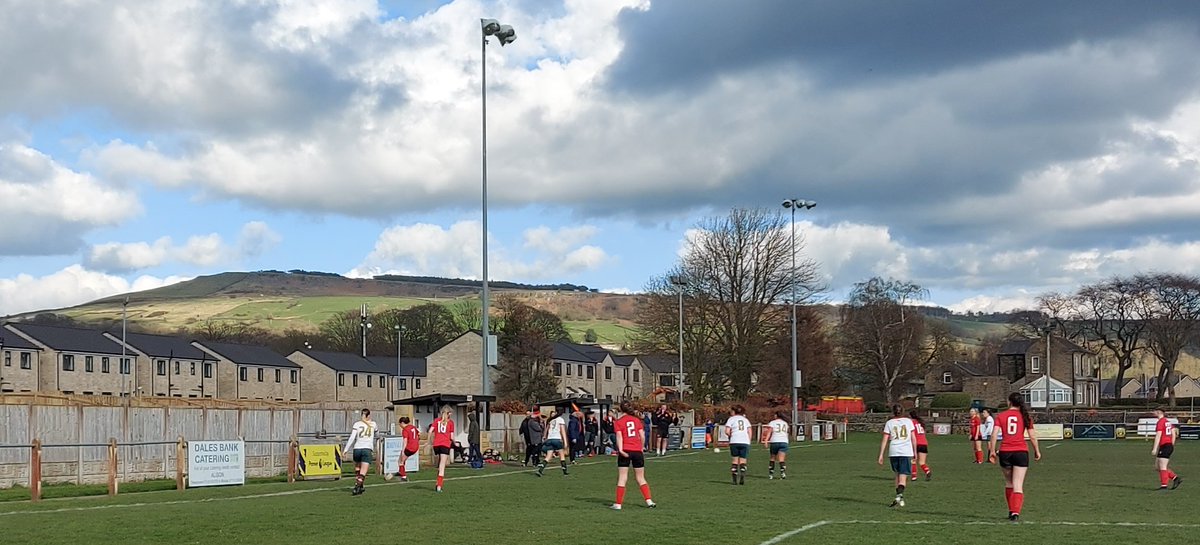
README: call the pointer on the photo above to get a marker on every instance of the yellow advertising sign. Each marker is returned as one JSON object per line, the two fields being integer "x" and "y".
{"x": 320, "y": 461}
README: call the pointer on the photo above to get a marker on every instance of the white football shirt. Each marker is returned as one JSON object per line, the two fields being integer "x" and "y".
{"x": 362, "y": 435}
{"x": 779, "y": 431}
{"x": 739, "y": 430}
{"x": 899, "y": 432}
{"x": 554, "y": 431}
{"x": 988, "y": 427}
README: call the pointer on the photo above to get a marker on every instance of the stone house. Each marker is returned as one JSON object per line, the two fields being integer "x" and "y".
{"x": 663, "y": 371}
{"x": 169, "y": 366}
{"x": 1131, "y": 388}
{"x": 455, "y": 368}
{"x": 19, "y": 361}
{"x": 629, "y": 378}
{"x": 956, "y": 376}
{"x": 410, "y": 382}
{"x": 341, "y": 376}
{"x": 77, "y": 361}
{"x": 252, "y": 372}
{"x": 578, "y": 369}
{"x": 1074, "y": 372}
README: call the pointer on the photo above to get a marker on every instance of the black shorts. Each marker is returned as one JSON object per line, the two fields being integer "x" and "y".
{"x": 363, "y": 456}
{"x": 1165, "y": 451}
{"x": 410, "y": 452}
{"x": 1011, "y": 459}
{"x": 923, "y": 449}
{"x": 635, "y": 459}
{"x": 441, "y": 451}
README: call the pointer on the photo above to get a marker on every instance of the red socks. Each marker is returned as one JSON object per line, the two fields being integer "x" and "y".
{"x": 620, "y": 495}
{"x": 645, "y": 491}
{"x": 979, "y": 456}
{"x": 1018, "y": 499}
{"x": 403, "y": 473}
{"x": 925, "y": 468}
{"x": 439, "y": 481}
{"x": 1008, "y": 497}
{"x": 1165, "y": 476}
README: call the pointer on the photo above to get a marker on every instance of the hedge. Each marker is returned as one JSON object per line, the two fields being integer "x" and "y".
{"x": 951, "y": 400}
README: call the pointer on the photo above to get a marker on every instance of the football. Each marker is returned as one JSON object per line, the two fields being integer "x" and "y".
{"x": 388, "y": 476}
{"x": 716, "y": 450}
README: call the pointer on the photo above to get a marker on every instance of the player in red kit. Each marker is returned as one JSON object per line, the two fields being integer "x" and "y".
{"x": 631, "y": 439}
{"x": 1164, "y": 446}
{"x": 922, "y": 447}
{"x": 977, "y": 436}
{"x": 1015, "y": 423}
{"x": 442, "y": 430}
{"x": 412, "y": 443}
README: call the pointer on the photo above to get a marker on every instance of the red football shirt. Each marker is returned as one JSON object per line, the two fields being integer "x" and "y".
{"x": 1013, "y": 427}
{"x": 921, "y": 441}
{"x": 975, "y": 423}
{"x": 1165, "y": 427}
{"x": 628, "y": 427}
{"x": 443, "y": 431}
{"x": 412, "y": 438}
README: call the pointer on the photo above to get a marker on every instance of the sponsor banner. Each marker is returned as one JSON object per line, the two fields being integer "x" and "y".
{"x": 828, "y": 431}
{"x": 1146, "y": 426}
{"x": 216, "y": 463}
{"x": 698, "y": 437}
{"x": 941, "y": 429}
{"x": 1093, "y": 432}
{"x": 816, "y": 432}
{"x": 320, "y": 461}
{"x": 722, "y": 435}
{"x": 1190, "y": 432}
{"x": 1050, "y": 432}
{"x": 392, "y": 447}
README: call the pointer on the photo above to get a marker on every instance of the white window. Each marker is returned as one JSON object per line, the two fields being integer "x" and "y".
{"x": 947, "y": 378}
{"x": 1035, "y": 364}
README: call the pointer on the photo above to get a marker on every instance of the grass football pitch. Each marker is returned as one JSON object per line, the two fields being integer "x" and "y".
{"x": 1081, "y": 492}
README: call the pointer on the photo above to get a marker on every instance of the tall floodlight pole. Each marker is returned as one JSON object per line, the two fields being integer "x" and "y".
{"x": 364, "y": 325}
{"x": 1048, "y": 329}
{"x": 793, "y": 204}
{"x": 680, "y": 283}
{"x": 121, "y": 366}
{"x": 506, "y": 35}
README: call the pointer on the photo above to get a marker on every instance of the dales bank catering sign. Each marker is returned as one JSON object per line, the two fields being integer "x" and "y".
{"x": 216, "y": 463}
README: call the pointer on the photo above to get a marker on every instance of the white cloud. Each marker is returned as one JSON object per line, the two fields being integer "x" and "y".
{"x": 70, "y": 286}
{"x": 1018, "y": 300}
{"x": 427, "y": 249}
{"x": 619, "y": 291}
{"x": 255, "y": 238}
{"x": 48, "y": 207}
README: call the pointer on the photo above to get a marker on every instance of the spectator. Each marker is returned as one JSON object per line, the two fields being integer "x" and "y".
{"x": 537, "y": 432}
{"x": 591, "y": 433}
{"x": 524, "y": 431}
{"x": 473, "y": 436}
{"x": 575, "y": 434}
{"x": 607, "y": 426}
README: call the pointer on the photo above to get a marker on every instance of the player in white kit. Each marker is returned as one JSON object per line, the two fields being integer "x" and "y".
{"x": 900, "y": 442}
{"x": 738, "y": 429}
{"x": 776, "y": 441}
{"x": 362, "y": 441}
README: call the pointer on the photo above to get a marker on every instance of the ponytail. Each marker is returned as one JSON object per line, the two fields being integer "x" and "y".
{"x": 916, "y": 418}
{"x": 1017, "y": 401}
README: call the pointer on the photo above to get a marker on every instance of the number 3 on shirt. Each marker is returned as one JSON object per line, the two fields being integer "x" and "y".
{"x": 1011, "y": 427}
{"x": 630, "y": 429}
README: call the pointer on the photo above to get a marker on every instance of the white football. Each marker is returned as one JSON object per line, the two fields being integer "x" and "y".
{"x": 716, "y": 450}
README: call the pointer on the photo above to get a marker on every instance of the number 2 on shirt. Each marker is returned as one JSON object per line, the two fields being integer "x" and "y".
{"x": 630, "y": 429}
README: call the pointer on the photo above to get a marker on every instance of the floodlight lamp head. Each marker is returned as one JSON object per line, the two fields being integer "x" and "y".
{"x": 787, "y": 203}
{"x": 506, "y": 35}
{"x": 489, "y": 26}
{"x": 808, "y": 204}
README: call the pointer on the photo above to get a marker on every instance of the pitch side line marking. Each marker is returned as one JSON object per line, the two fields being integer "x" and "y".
{"x": 781, "y": 537}
{"x": 1052, "y": 446}
{"x": 278, "y": 494}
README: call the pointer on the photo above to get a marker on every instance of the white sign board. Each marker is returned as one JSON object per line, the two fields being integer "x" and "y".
{"x": 1146, "y": 425}
{"x": 941, "y": 429}
{"x": 216, "y": 463}
{"x": 391, "y": 457}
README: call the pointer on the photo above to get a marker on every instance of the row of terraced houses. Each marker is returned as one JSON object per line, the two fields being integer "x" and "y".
{"x": 68, "y": 360}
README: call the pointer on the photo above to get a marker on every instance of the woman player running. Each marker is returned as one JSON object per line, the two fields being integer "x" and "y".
{"x": 412, "y": 443}
{"x": 977, "y": 436}
{"x": 922, "y": 446}
{"x": 442, "y": 430}
{"x": 1015, "y": 424}
{"x": 629, "y": 453}
{"x": 776, "y": 441}
{"x": 899, "y": 442}
{"x": 1164, "y": 446}
{"x": 362, "y": 438}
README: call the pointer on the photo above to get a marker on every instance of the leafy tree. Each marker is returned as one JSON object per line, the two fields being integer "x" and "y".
{"x": 814, "y": 357}
{"x": 590, "y": 336}
{"x": 525, "y": 369}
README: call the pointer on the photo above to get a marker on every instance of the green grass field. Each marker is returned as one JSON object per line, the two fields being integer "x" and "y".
{"x": 1081, "y": 492}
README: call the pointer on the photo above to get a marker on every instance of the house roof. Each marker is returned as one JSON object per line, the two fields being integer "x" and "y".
{"x": 247, "y": 354}
{"x": 444, "y": 399}
{"x": 623, "y": 361}
{"x": 14, "y": 341}
{"x": 345, "y": 361}
{"x": 582, "y": 353}
{"x": 1023, "y": 346}
{"x": 968, "y": 369}
{"x": 164, "y": 346}
{"x": 1107, "y": 385}
{"x": 1040, "y": 384}
{"x": 69, "y": 339}
{"x": 658, "y": 363}
{"x": 409, "y": 367}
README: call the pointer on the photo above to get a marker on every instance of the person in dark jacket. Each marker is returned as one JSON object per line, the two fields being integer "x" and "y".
{"x": 607, "y": 426}
{"x": 591, "y": 433}
{"x": 524, "y": 432}
{"x": 473, "y": 436}
{"x": 537, "y": 432}
{"x": 575, "y": 434}
{"x": 663, "y": 420}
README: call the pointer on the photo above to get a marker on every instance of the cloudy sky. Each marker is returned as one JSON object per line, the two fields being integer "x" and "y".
{"x": 987, "y": 150}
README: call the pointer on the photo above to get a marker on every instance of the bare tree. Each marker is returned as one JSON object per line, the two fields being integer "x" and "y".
{"x": 525, "y": 337}
{"x": 1115, "y": 314}
{"x": 1174, "y": 316}
{"x": 735, "y": 274}
{"x": 880, "y": 333}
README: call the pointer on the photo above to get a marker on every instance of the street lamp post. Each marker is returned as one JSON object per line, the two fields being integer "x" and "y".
{"x": 121, "y": 366}
{"x": 399, "y": 354}
{"x": 793, "y": 204}
{"x": 2, "y": 381}
{"x": 680, "y": 283}
{"x": 505, "y": 35}
{"x": 364, "y": 325}
{"x": 1048, "y": 328}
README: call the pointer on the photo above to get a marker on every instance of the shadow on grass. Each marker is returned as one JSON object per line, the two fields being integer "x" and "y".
{"x": 1127, "y": 486}
{"x": 595, "y": 501}
{"x": 877, "y": 477}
